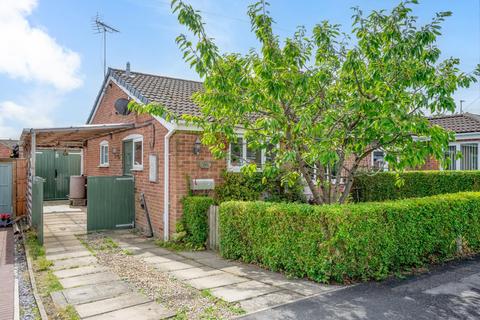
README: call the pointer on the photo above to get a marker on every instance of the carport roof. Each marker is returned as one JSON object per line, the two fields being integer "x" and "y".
{"x": 70, "y": 137}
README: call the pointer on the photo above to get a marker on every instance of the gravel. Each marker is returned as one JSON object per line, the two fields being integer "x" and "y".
{"x": 28, "y": 306}
{"x": 160, "y": 286}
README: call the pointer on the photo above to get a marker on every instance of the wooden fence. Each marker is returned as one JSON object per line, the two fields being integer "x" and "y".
{"x": 213, "y": 228}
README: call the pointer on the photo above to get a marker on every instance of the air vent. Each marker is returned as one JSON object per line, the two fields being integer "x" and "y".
{"x": 121, "y": 106}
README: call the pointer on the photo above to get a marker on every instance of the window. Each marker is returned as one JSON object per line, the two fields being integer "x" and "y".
{"x": 133, "y": 154}
{"x": 104, "y": 154}
{"x": 469, "y": 159}
{"x": 378, "y": 160}
{"x": 451, "y": 154}
{"x": 240, "y": 154}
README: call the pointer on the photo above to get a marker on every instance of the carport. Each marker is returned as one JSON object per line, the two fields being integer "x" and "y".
{"x": 73, "y": 139}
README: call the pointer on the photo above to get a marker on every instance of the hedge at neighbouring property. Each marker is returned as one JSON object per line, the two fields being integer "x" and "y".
{"x": 195, "y": 219}
{"x": 355, "y": 241}
{"x": 238, "y": 186}
{"x": 382, "y": 186}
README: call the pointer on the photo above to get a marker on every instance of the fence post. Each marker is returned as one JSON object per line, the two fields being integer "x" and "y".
{"x": 213, "y": 228}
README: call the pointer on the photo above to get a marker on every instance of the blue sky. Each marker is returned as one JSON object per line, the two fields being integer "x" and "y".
{"x": 51, "y": 61}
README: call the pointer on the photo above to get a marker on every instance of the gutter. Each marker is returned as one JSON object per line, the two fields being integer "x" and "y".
{"x": 166, "y": 183}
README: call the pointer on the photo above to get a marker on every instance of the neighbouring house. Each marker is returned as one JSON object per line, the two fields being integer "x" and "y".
{"x": 6, "y": 147}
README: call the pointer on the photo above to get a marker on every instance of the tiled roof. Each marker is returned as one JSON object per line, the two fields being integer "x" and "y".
{"x": 9, "y": 142}
{"x": 459, "y": 123}
{"x": 174, "y": 94}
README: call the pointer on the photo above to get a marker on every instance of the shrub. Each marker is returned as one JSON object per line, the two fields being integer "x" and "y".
{"x": 382, "y": 186}
{"x": 195, "y": 219}
{"x": 238, "y": 186}
{"x": 355, "y": 241}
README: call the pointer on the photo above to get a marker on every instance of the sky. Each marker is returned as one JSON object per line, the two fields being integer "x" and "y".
{"x": 51, "y": 60}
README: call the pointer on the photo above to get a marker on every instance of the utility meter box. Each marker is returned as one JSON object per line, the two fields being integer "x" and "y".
{"x": 202, "y": 184}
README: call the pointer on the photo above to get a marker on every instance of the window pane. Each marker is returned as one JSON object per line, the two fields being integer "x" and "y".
{"x": 451, "y": 154}
{"x": 236, "y": 152}
{"x": 137, "y": 150}
{"x": 470, "y": 157}
{"x": 378, "y": 159}
{"x": 103, "y": 154}
{"x": 254, "y": 156}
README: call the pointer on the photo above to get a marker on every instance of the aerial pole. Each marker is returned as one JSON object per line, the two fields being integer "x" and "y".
{"x": 101, "y": 27}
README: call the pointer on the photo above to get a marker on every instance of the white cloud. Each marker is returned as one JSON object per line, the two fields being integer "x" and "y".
{"x": 29, "y": 53}
{"x": 35, "y": 110}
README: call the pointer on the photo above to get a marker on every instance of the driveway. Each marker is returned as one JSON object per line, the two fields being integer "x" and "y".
{"x": 451, "y": 291}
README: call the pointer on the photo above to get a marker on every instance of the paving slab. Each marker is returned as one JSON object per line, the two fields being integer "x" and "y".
{"x": 217, "y": 263}
{"x": 150, "y": 252}
{"x": 112, "y": 304}
{"x": 87, "y": 279}
{"x": 147, "y": 311}
{"x": 68, "y": 255}
{"x": 197, "y": 255}
{"x": 80, "y": 271}
{"x": 307, "y": 288}
{"x": 215, "y": 281}
{"x": 90, "y": 293}
{"x": 61, "y": 249}
{"x": 59, "y": 299}
{"x": 269, "y": 300}
{"x": 163, "y": 259}
{"x": 243, "y": 290}
{"x": 138, "y": 246}
{"x": 176, "y": 265}
{"x": 74, "y": 262}
{"x": 192, "y": 273}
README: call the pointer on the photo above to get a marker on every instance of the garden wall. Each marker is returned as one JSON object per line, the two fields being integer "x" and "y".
{"x": 350, "y": 242}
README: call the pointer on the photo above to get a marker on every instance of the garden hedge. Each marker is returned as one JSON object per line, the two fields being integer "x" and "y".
{"x": 238, "y": 186}
{"x": 382, "y": 186}
{"x": 350, "y": 242}
{"x": 195, "y": 219}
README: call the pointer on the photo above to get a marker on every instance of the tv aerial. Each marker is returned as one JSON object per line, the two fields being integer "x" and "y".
{"x": 101, "y": 27}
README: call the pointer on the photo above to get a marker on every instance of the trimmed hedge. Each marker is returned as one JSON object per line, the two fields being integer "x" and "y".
{"x": 350, "y": 242}
{"x": 195, "y": 219}
{"x": 238, "y": 186}
{"x": 381, "y": 186}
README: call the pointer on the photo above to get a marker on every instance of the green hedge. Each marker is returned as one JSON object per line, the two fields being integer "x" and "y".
{"x": 382, "y": 186}
{"x": 355, "y": 241}
{"x": 195, "y": 219}
{"x": 238, "y": 186}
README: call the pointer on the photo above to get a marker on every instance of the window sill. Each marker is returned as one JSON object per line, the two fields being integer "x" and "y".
{"x": 139, "y": 168}
{"x": 104, "y": 165}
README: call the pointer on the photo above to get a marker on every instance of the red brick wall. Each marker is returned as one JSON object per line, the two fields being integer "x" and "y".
{"x": 4, "y": 151}
{"x": 184, "y": 165}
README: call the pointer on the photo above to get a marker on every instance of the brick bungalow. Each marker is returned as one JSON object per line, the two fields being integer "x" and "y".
{"x": 164, "y": 157}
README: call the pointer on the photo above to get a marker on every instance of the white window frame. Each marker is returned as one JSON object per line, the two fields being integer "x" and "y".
{"x": 458, "y": 148}
{"x": 238, "y": 168}
{"x": 104, "y": 145}
{"x": 385, "y": 163}
{"x": 135, "y": 138}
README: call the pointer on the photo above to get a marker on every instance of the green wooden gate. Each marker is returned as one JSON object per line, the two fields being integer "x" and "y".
{"x": 37, "y": 206}
{"x": 56, "y": 167}
{"x": 6, "y": 187}
{"x": 111, "y": 203}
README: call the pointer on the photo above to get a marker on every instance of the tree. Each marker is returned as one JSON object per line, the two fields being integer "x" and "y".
{"x": 321, "y": 102}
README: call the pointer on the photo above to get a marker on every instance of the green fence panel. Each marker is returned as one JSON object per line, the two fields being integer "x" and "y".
{"x": 37, "y": 206}
{"x": 111, "y": 203}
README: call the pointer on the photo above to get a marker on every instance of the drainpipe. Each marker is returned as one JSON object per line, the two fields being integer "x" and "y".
{"x": 166, "y": 184}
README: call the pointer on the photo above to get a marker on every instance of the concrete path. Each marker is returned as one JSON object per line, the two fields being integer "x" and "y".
{"x": 451, "y": 291}
{"x": 7, "y": 277}
{"x": 94, "y": 292}
{"x": 252, "y": 287}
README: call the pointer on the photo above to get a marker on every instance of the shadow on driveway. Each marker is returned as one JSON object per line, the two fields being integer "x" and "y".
{"x": 450, "y": 291}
